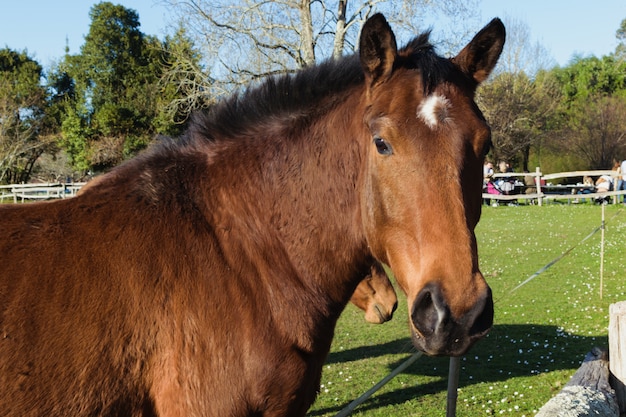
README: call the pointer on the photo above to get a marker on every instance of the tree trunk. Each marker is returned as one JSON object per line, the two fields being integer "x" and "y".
{"x": 525, "y": 158}
{"x": 340, "y": 31}
{"x": 308, "y": 46}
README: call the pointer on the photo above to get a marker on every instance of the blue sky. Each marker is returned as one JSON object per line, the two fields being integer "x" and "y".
{"x": 563, "y": 27}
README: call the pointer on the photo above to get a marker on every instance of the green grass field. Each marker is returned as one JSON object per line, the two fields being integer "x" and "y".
{"x": 541, "y": 334}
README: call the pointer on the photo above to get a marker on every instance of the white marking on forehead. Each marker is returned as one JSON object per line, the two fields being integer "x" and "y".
{"x": 433, "y": 110}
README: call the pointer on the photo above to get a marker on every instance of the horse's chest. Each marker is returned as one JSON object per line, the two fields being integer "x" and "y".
{"x": 288, "y": 384}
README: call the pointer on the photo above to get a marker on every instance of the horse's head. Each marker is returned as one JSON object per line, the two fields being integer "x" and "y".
{"x": 375, "y": 295}
{"x": 422, "y": 196}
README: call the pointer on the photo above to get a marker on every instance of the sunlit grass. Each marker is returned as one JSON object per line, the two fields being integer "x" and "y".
{"x": 542, "y": 330}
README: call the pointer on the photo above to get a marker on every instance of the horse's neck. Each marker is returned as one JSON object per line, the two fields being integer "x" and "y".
{"x": 304, "y": 204}
{"x": 295, "y": 218}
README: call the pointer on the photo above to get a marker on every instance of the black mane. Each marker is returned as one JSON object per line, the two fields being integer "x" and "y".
{"x": 277, "y": 97}
{"x": 420, "y": 54}
{"x": 299, "y": 95}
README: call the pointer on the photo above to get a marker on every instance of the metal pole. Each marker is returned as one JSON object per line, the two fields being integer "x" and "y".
{"x": 453, "y": 385}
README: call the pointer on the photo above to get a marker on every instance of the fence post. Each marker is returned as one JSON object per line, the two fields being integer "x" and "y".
{"x": 538, "y": 184}
{"x": 587, "y": 393}
{"x": 617, "y": 351}
{"x": 602, "y": 253}
{"x": 616, "y": 176}
{"x": 453, "y": 385}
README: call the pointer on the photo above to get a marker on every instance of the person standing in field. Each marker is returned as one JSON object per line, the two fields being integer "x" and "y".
{"x": 621, "y": 185}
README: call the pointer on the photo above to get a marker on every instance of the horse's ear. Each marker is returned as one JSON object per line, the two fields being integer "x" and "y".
{"x": 479, "y": 57}
{"x": 377, "y": 49}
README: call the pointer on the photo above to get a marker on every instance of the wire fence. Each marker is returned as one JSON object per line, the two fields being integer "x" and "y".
{"x": 454, "y": 366}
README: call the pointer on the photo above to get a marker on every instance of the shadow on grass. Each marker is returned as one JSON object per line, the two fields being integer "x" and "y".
{"x": 508, "y": 351}
{"x": 363, "y": 352}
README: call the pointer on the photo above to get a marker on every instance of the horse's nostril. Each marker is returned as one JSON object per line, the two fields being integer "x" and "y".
{"x": 437, "y": 332}
{"x": 484, "y": 321}
{"x": 427, "y": 313}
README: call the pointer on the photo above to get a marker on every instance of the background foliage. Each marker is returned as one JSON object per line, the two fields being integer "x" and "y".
{"x": 123, "y": 89}
{"x": 23, "y": 133}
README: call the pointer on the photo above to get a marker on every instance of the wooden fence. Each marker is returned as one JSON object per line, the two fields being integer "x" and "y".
{"x": 597, "y": 388}
{"x": 617, "y": 352}
{"x": 588, "y": 392}
{"x": 43, "y": 191}
{"x": 541, "y": 189}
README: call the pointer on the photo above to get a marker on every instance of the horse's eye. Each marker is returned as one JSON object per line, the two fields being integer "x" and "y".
{"x": 382, "y": 146}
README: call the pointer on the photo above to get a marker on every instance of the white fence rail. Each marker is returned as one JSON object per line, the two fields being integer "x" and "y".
{"x": 539, "y": 190}
{"x": 542, "y": 190}
{"x": 43, "y": 191}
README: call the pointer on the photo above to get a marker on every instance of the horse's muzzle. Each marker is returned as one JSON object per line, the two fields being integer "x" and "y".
{"x": 437, "y": 333}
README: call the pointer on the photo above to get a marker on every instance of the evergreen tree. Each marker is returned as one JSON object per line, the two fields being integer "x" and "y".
{"x": 115, "y": 90}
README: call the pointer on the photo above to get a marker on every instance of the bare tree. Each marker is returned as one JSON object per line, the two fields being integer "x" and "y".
{"x": 183, "y": 77}
{"x": 520, "y": 53}
{"x": 620, "y": 34}
{"x": 21, "y": 141}
{"x": 242, "y": 40}
{"x": 20, "y": 144}
{"x": 521, "y": 96}
{"x": 519, "y": 109}
{"x": 598, "y": 135}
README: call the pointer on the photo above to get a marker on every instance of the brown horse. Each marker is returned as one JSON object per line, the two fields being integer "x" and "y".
{"x": 375, "y": 295}
{"x": 205, "y": 277}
